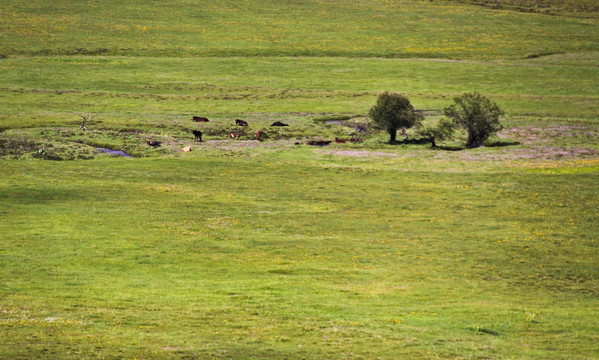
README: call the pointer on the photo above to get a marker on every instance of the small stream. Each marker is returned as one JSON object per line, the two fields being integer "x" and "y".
{"x": 113, "y": 152}
{"x": 342, "y": 123}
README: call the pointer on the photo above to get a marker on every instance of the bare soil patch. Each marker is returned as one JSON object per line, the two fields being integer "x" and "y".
{"x": 535, "y": 134}
{"x": 357, "y": 153}
{"x": 238, "y": 144}
{"x": 533, "y": 153}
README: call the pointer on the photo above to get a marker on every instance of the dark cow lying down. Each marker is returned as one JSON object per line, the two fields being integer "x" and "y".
{"x": 278, "y": 123}
{"x": 154, "y": 143}
{"x": 197, "y": 134}
{"x": 241, "y": 122}
{"x": 319, "y": 142}
{"x": 200, "y": 119}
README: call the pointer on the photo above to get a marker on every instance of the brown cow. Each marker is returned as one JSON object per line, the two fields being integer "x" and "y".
{"x": 259, "y": 134}
{"x": 339, "y": 141}
{"x": 199, "y": 119}
{"x": 241, "y": 122}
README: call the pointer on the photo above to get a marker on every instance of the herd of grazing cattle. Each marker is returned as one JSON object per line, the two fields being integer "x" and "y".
{"x": 259, "y": 134}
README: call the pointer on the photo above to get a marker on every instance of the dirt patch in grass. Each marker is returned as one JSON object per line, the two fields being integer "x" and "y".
{"x": 239, "y": 144}
{"x": 533, "y": 153}
{"x": 545, "y": 143}
{"x": 231, "y": 143}
{"x": 357, "y": 153}
{"x": 535, "y": 134}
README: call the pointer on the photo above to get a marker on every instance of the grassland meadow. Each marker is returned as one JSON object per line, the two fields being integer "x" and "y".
{"x": 277, "y": 249}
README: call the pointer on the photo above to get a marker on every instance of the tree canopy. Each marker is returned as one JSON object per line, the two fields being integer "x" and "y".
{"x": 478, "y": 115}
{"x": 393, "y": 112}
{"x": 442, "y": 130}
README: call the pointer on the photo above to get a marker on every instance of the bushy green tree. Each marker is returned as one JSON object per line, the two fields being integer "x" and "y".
{"x": 440, "y": 131}
{"x": 393, "y": 112}
{"x": 478, "y": 115}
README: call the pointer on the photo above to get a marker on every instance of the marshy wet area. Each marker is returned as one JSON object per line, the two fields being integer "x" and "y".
{"x": 114, "y": 152}
{"x": 322, "y": 143}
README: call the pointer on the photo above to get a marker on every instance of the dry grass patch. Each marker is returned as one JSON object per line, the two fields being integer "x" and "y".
{"x": 358, "y": 153}
{"x": 536, "y": 134}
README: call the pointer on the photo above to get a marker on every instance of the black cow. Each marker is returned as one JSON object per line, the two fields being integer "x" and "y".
{"x": 319, "y": 142}
{"x": 154, "y": 143}
{"x": 198, "y": 135}
{"x": 241, "y": 122}
{"x": 278, "y": 123}
{"x": 200, "y": 119}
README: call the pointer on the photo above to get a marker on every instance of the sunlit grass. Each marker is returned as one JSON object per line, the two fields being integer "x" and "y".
{"x": 236, "y": 255}
{"x": 441, "y": 29}
{"x": 42, "y": 90}
{"x": 242, "y": 249}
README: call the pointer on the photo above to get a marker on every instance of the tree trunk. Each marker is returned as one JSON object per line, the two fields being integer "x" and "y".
{"x": 433, "y": 143}
{"x": 393, "y": 133}
{"x": 473, "y": 141}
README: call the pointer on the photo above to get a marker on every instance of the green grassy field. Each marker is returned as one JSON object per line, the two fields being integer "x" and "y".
{"x": 242, "y": 249}
{"x": 284, "y": 256}
{"x": 379, "y": 28}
